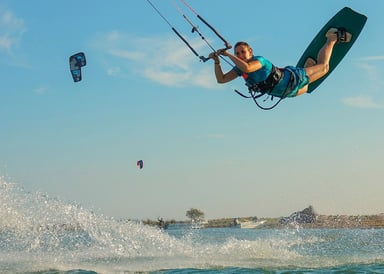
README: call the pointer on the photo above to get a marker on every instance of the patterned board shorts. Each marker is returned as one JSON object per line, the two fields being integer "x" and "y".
{"x": 300, "y": 77}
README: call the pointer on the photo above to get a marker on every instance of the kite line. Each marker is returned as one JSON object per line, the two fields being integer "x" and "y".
{"x": 194, "y": 29}
{"x": 227, "y": 45}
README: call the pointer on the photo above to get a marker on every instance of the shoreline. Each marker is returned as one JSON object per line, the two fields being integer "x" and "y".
{"x": 320, "y": 221}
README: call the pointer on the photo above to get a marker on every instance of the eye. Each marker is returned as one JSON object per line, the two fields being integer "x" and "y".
{"x": 241, "y": 51}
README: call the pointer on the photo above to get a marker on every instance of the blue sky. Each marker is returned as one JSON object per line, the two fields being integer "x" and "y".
{"x": 144, "y": 95}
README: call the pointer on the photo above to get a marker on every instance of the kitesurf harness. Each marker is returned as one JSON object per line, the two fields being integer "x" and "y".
{"x": 268, "y": 84}
{"x": 264, "y": 88}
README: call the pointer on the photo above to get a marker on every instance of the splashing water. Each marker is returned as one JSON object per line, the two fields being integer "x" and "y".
{"x": 39, "y": 233}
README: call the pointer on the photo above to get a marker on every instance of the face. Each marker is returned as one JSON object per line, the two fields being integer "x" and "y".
{"x": 243, "y": 52}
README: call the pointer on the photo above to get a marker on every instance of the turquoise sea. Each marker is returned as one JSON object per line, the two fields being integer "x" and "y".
{"x": 39, "y": 234}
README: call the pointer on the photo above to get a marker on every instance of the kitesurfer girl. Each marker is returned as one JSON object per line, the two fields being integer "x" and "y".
{"x": 261, "y": 75}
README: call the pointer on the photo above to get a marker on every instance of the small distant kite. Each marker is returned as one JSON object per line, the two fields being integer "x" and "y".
{"x": 140, "y": 164}
{"x": 77, "y": 61}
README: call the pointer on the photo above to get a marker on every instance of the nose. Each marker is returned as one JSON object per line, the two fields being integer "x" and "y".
{"x": 241, "y": 53}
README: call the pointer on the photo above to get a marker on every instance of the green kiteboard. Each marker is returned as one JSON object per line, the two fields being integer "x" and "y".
{"x": 353, "y": 22}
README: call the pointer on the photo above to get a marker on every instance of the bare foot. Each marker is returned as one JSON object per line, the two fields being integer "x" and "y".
{"x": 339, "y": 35}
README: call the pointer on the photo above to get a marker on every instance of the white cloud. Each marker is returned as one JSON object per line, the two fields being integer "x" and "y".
{"x": 362, "y": 101}
{"x": 373, "y": 58}
{"x": 41, "y": 90}
{"x": 165, "y": 60}
{"x": 134, "y": 56}
{"x": 371, "y": 80}
{"x": 11, "y": 30}
{"x": 372, "y": 71}
{"x": 113, "y": 71}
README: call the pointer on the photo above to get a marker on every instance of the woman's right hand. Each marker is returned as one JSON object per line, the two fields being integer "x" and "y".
{"x": 214, "y": 56}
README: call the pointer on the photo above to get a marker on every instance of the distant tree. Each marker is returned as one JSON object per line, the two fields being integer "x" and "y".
{"x": 195, "y": 215}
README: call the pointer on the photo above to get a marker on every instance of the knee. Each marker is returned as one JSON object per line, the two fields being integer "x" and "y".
{"x": 325, "y": 68}
{"x": 316, "y": 72}
{"x": 321, "y": 70}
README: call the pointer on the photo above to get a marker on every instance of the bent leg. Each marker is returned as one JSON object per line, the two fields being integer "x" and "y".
{"x": 322, "y": 67}
{"x": 317, "y": 70}
{"x": 334, "y": 36}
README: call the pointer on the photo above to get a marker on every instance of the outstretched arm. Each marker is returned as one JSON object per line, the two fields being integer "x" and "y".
{"x": 244, "y": 66}
{"x": 222, "y": 77}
